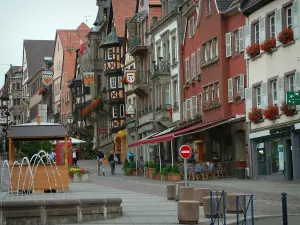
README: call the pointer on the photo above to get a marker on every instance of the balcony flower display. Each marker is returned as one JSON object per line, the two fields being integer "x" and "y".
{"x": 285, "y": 36}
{"x": 86, "y": 111}
{"x": 42, "y": 91}
{"x": 268, "y": 45}
{"x": 237, "y": 98}
{"x": 287, "y": 109}
{"x": 255, "y": 115}
{"x": 95, "y": 103}
{"x": 253, "y": 50}
{"x": 124, "y": 80}
{"x": 271, "y": 112}
{"x": 213, "y": 103}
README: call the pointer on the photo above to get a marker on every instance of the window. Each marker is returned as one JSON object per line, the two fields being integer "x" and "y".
{"x": 217, "y": 90}
{"x": 274, "y": 92}
{"x": 289, "y": 17}
{"x": 291, "y": 83}
{"x": 258, "y": 96}
{"x": 236, "y": 39}
{"x": 211, "y": 50}
{"x": 200, "y": 103}
{"x": 198, "y": 61}
{"x": 238, "y": 84}
{"x": 113, "y": 82}
{"x": 87, "y": 90}
{"x": 114, "y": 111}
{"x": 272, "y": 26}
{"x": 187, "y": 69}
{"x": 110, "y": 53}
{"x": 208, "y": 9}
{"x": 122, "y": 110}
{"x": 120, "y": 84}
{"x": 194, "y": 106}
{"x": 188, "y": 108}
{"x": 212, "y": 92}
{"x": 256, "y": 33}
{"x": 174, "y": 50}
{"x": 167, "y": 96}
{"x": 158, "y": 54}
{"x": 191, "y": 27}
{"x": 193, "y": 65}
{"x": 16, "y": 101}
{"x": 175, "y": 93}
{"x": 13, "y": 87}
{"x": 206, "y": 95}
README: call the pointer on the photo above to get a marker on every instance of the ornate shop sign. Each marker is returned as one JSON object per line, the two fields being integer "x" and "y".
{"x": 283, "y": 129}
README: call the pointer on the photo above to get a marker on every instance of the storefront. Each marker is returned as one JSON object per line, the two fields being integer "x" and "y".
{"x": 276, "y": 153}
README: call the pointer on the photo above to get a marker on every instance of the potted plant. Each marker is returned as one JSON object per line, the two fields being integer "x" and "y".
{"x": 271, "y": 112}
{"x": 255, "y": 115}
{"x": 213, "y": 103}
{"x": 152, "y": 167}
{"x": 42, "y": 91}
{"x": 285, "y": 36}
{"x": 268, "y": 45}
{"x": 147, "y": 169}
{"x": 76, "y": 172}
{"x": 157, "y": 173}
{"x": 85, "y": 175}
{"x": 132, "y": 166}
{"x": 174, "y": 175}
{"x": 253, "y": 50}
{"x": 164, "y": 173}
{"x": 288, "y": 110}
{"x": 236, "y": 98}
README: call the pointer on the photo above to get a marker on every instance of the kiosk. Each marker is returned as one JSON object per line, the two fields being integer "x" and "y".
{"x": 38, "y": 132}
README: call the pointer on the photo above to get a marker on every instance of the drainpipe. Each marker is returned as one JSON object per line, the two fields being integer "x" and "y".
{"x": 179, "y": 52}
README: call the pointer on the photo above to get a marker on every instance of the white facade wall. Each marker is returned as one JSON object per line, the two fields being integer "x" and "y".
{"x": 172, "y": 28}
{"x": 25, "y": 90}
{"x": 275, "y": 67}
{"x": 57, "y": 62}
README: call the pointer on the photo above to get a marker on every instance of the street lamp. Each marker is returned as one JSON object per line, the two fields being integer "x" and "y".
{"x": 51, "y": 119}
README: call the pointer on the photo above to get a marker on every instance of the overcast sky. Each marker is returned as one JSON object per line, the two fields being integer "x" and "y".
{"x": 37, "y": 20}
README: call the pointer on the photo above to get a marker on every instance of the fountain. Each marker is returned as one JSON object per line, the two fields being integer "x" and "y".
{"x": 39, "y": 192}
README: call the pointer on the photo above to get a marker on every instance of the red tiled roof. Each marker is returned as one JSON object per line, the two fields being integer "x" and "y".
{"x": 122, "y": 9}
{"x": 72, "y": 37}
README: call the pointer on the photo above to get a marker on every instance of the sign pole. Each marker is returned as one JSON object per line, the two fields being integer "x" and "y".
{"x": 185, "y": 172}
{"x": 185, "y": 152}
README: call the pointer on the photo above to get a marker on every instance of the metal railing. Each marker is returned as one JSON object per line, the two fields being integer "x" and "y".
{"x": 145, "y": 110}
{"x": 135, "y": 42}
{"x": 142, "y": 78}
{"x": 162, "y": 107}
{"x": 162, "y": 67}
{"x": 105, "y": 139}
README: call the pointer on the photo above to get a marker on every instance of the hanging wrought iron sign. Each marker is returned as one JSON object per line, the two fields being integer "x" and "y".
{"x": 47, "y": 77}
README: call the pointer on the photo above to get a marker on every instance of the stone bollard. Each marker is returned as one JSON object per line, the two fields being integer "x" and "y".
{"x": 186, "y": 194}
{"x": 177, "y": 186}
{"x": 199, "y": 193}
{"x": 219, "y": 194}
{"x": 211, "y": 209}
{"x": 170, "y": 189}
{"x": 188, "y": 212}
{"x": 231, "y": 204}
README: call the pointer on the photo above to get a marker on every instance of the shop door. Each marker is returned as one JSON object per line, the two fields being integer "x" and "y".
{"x": 289, "y": 160}
{"x": 274, "y": 162}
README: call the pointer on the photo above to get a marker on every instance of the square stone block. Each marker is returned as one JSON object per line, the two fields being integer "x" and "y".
{"x": 188, "y": 211}
{"x": 186, "y": 194}
{"x": 170, "y": 191}
{"x": 199, "y": 193}
{"x": 231, "y": 202}
{"x": 211, "y": 209}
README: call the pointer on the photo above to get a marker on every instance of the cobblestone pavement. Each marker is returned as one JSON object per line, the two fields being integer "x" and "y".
{"x": 267, "y": 194}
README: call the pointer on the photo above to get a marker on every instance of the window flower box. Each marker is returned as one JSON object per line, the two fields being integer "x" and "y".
{"x": 271, "y": 112}
{"x": 211, "y": 104}
{"x": 268, "y": 45}
{"x": 253, "y": 50}
{"x": 255, "y": 115}
{"x": 288, "y": 110}
{"x": 237, "y": 98}
{"x": 95, "y": 103}
{"x": 285, "y": 36}
{"x": 86, "y": 111}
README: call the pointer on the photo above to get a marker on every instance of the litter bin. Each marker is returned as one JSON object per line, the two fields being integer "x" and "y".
{"x": 240, "y": 172}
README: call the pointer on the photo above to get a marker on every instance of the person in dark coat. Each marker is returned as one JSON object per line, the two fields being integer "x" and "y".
{"x": 100, "y": 160}
{"x": 112, "y": 161}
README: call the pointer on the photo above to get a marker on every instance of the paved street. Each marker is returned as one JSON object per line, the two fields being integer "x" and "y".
{"x": 144, "y": 199}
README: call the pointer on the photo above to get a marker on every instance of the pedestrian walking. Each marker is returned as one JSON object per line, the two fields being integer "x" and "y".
{"x": 100, "y": 160}
{"x": 112, "y": 161}
{"x": 75, "y": 156}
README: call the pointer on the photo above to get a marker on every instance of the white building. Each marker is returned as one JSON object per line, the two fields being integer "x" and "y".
{"x": 270, "y": 76}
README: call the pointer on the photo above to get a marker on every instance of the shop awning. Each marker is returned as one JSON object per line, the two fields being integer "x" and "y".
{"x": 169, "y": 134}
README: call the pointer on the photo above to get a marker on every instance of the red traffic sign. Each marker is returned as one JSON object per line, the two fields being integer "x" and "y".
{"x": 185, "y": 151}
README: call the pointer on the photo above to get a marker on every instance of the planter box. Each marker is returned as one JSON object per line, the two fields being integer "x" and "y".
{"x": 151, "y": 172}
{"x": 134, "y": 173}
{"x": 76, "y": 178}
{"x": 174, "y": 177}
{"x": 164, "y": 177}
{"x": 147, "y": 171}
{"x": 86, "y": 178}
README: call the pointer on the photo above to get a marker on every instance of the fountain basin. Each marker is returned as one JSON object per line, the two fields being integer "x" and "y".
{"x": 45, "y": 177}
{"x": 59, "y": 211}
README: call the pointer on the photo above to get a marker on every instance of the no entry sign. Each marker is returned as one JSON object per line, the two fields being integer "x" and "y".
{"x": 185, "y": 151}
